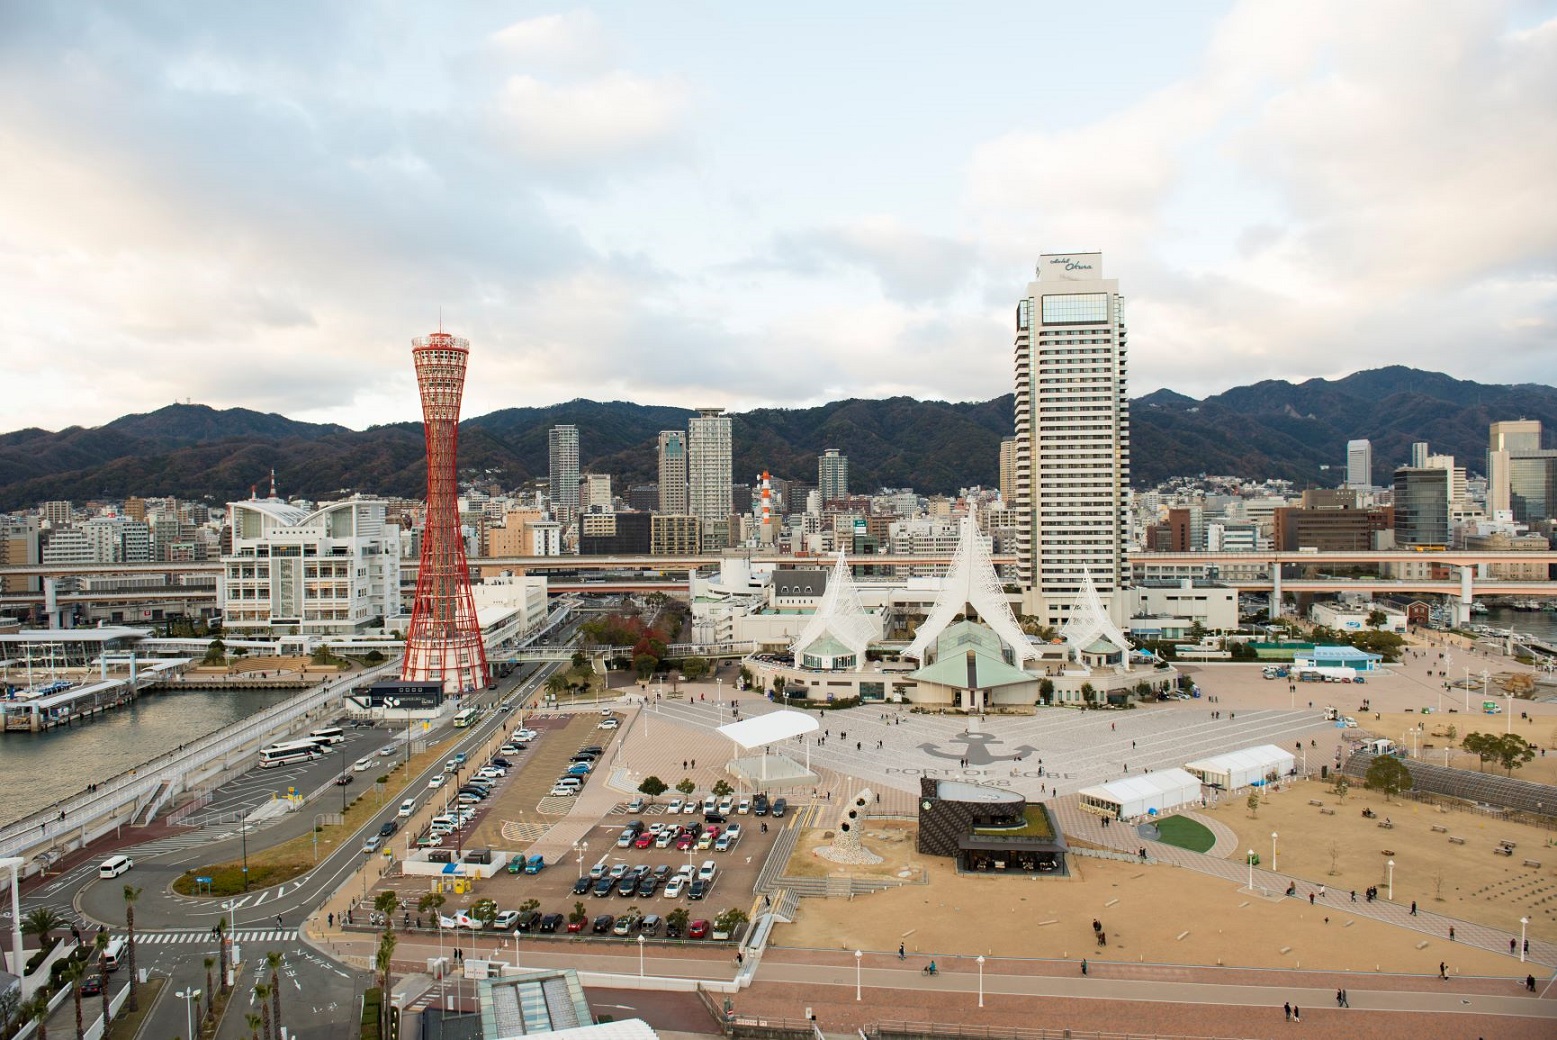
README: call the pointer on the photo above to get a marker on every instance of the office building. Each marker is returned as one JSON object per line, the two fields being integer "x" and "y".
{"x": 1521, "y": 476}
{"x": 1331, "y": 520}
{"x": 595, "y": 492}
{"x": 1072, "y": 434}
{"x": 562, "y": 449}
{"x": 644, "y": 498}
{"x": 19, "y": 548}
{"x": 1419, "y": 455}
{"x": 1359, "y": 464}
{"x": 615, "y": 534}
{"x": 59, "y": 513}
{"x": 1422, "y": 499}
{"x": 671, "y": 535}
{"x": 709, "y": 459}
{"x": 832, "y": 475}
{"x": 673, "y": 472}
{"x": 1008, "y": 470}
{"x": 332, "y": 571}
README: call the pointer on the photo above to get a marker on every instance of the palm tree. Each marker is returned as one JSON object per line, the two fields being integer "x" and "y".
{"x": 42, "y": 922}
{"x": 253, "y": 1021}
{"x": 76, "y": 970}
{"x": 273, "y": 962}
{"x": 131, "y": 894}
{"x": 38, "y": 1011}
{"x": 382, "y": 961}
{"x": 210, "y": 994}
{"x": 100, "y": 944}
{"x": 262, "y": 994}
{"x": 221, "y": 951}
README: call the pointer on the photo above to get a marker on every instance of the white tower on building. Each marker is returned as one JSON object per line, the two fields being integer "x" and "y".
{"x": 1359, "y": 463}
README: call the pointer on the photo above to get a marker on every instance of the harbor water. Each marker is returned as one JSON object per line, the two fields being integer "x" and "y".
{"x": 37, "y": 769}
{"x": 1539, "y": 623}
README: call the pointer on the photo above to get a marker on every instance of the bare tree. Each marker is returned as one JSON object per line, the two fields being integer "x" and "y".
{"x": 1335, "y": 856}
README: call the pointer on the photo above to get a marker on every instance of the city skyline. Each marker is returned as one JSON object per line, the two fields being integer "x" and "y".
{"x": 684, "y": 205}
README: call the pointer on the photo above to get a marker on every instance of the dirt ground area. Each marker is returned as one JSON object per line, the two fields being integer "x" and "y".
{"x": 1348, "y": 851}
{"x": 892, "y": 840}
{"x": 1154, "y": 914}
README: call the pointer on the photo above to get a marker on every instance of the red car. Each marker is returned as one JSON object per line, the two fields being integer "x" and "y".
{"x": 685, "y": 842}
{"x": 643, "y": 840}
{"x": 578, "y": 926}
{"x": 697, "y": 930}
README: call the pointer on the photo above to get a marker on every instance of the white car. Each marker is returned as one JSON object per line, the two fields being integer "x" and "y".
{"x": 725, "y": 805}
{"x": 363, "y": 764}
{"x": 436, "y": 782}
{"x": 563, "y": 792}
{"x": 663, "y": 839}
{"x": 673, "y": 806}
{"x": 509, "y": 749}
{"x": 609, "y": 723}
{"x": 674, "y": 886}
{"x": 743, "y": 806}
{"x": 387, "y": 750}
{"x": 707, "y": 871}
{"x": 525, "y": 734}
{"x": 491, "y": 773}
{"x": 690, "y": 807}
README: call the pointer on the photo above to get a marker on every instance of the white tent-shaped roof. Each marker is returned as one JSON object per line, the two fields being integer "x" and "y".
{"x": 1247, "y": 767}
{"x": 1132, "y": 796}
{"x": 772, "y": 728}
{"x": 840, "y": 616}
{"x": 1089, "y": 621}
{"x": 971, "y": 581}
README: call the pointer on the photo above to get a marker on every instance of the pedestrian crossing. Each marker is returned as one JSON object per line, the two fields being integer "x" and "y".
{"x": 179, "y": 842}
{"x": 203, "y": 935}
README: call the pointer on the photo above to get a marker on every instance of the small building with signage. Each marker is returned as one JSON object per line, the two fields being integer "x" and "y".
{"x": 399, "y": 698}
{"x": 989, "y": 830}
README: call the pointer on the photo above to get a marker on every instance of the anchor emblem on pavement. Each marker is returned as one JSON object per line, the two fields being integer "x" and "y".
{"x": 977, "y": 751}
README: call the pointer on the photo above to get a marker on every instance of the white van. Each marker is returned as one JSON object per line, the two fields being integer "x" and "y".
{"x": 113, "y": 953}
{"x": 407, "y": 807}
{"x": 113, "y": 866}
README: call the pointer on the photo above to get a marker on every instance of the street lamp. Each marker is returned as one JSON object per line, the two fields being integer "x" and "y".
{"x": 1251, "y": 870}
{"x": 641, "y": 942}
{"x": 190, "y": 997}
{"x": 1391, "y": 866}
{"x": 981, "y": 979}
{"x": 858, "y": 955}
{"x": 1273, "y": 850}
{"x": 1467, "y": 689}
{"x": 1524, "y": 922}
{"x": 395, "y": 702}
{"x": 581, "y": 847}
{"x": 718, "y": 692}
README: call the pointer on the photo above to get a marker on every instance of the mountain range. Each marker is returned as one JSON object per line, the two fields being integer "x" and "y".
{"x": 1270, "y": 429}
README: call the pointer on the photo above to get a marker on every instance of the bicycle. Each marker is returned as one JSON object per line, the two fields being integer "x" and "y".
{"x": 929, "y": 969}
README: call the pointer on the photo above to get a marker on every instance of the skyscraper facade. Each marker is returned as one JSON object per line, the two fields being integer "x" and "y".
{"x": 562, "y": 444}
{"x": 832, "y": 475}
{"x": 673, "y": 472}
{"x": 1008, "y": 470}
{"x": 709, "y": 459}
{"x": 1422, "y": 499}
{"x": 1072, "y": 424}
{"x": 1359, "y": 464}
{"x": 1520, "y": 476}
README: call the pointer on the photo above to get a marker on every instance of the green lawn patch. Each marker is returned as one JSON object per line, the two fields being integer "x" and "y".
{"x": 1184, "y": 833}
{"x": 1037, "y": 826}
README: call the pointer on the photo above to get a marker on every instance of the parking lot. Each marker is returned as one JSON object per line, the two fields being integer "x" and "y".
{"x": 521, "y": 809}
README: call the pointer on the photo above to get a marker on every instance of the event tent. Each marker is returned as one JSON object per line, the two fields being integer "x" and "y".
{"x": 1144, "y": 795}
{"x": 1248, "y": 767}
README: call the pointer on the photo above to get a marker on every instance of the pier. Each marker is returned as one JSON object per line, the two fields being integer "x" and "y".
{"x": 26, "y": 711}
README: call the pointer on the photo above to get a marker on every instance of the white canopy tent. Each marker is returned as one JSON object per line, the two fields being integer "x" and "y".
{"x": 1248, "y": 767}
{"x": 1144, "y": 795}
{"x": 761, "y": 731}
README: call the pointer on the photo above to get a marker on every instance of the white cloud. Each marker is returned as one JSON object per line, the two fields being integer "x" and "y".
{"x": 571, "y": 41}
{"x": 580, "y": 124}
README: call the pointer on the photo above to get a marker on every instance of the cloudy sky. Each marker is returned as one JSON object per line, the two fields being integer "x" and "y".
{"x": 692, "y": 203}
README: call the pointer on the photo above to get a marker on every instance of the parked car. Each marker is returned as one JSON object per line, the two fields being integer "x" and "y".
{"x": 759, "y": 805}
{"x": 707, "y": 871}
{"x": 780, "y": 807}
{"x": 706, "y": 841}
{"x": 689, "y": 807}
{"x": 575, "y": 927}
{"x": 697, "y": 889}
{"x": 650, "y": 925}
{"x": 726, "y": 806}
{"x": 609, "y": 723}
{"x": 673, "y": 807}
{"x": 723, "y": 843}
{"x": 509, "y": 749}
{"x": 625, "y": 839}
{"x": 743, "y": 806}
{"x": 697, "y": 930}
{"x": 604, "y": 886}
{"x": 714, "y": 817}
{"x": 643, "y": 840}
{"x": 636, "y": 805}
{"x": 674, "y": 888}
{"x": 505, "y": 920}
{"x": 551, "y": 922}
{"x": 529, "y": 921}
{"x": 664, "y": 838}
{"x": 581, "y": 886}
{"x": 647, "y": 886}
{"x": 562, "y": 791}
{"x": 616, "y": 871}
{"x": 625, "y": 925}
{"x": 502, "y": 763}
{"x": 628, "y": 887}
{"x": 603, "y": 924}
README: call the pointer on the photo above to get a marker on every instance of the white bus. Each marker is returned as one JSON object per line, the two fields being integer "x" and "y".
{"x": 286, "y": 754}
{"x": 327, "y": 736}
{"x": 466, "y": 718}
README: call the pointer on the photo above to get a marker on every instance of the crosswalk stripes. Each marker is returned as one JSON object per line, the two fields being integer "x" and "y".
{"x": 178, "y": 842}
{"x": 242, "y": 935}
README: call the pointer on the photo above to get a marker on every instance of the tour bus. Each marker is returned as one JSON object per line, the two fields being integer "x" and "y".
{"x": 286, "y": 754}
{"x": 327, "y": 736}
{"x": 465, "y": 718}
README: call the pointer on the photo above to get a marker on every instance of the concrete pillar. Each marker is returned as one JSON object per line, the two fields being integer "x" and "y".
{"x": 1462, "y": 609}
{"x": 1275, "y": 590}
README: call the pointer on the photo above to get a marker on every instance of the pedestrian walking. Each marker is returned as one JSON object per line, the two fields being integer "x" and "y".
{"x": 1311, "y": 899}
{"x": 900, "y": 953}
{"x": 1443, "y": 970}
{"x": 278, "y": 921}
{"x": 1530, "y": 983}
{"x": 1286, "y": 1009}
{"x": 1297, "y": 1013}
{"x": 331, "y": 919}
{"x": 1513, "y": 947}
{"x": 1451, "y": 933}
{"x": 1413, "y": 908}
{"x": 1084, "y": 967}
{"x": 1340, "y": 998}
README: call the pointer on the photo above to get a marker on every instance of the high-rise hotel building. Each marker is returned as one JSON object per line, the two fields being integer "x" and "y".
{"x": 1072, "y": 445}
{"x": 562, "y": 451}
{"x": 709, "y": 459}
{"x": 673, "y": 472}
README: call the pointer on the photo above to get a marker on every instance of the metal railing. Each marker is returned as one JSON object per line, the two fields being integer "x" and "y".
{"x": 934, "y": 1031}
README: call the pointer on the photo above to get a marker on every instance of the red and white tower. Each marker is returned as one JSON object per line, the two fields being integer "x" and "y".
{"x": 445, "y": 640}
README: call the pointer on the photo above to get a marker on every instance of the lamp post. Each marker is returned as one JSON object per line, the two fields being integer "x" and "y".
{"x": 581, "y": 847}
{"x": 1250, "y": 861}
{"x": 641, "y": 942}
{"x": 1273, "y": 850}
{"x": 1391, "y": 866}
{"x": 316, "y": 834}
{"x": 1509, "y": 728}
{"x": 16, "y": 863}
{"x": 189, "y": 997}
{"x": 981, "y": 979}
{"x": 1524, "y": 922}
{"x": 243, "y": 836}
{"x": 858, "y": 956}
{"x": 1467, "y": 689}
{"x": 718, "y": 692}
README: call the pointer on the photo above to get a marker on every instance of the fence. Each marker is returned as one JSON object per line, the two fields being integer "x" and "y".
{"x": 931, "y": 1031}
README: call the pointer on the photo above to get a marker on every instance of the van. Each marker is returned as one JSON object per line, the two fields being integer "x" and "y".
{"x": 113, "y": 866}
{"x": 535, "y": 864}
{"x": 372, "y": 845}
{"x": 113, "y": 954}
{"x": 407, "y": 807}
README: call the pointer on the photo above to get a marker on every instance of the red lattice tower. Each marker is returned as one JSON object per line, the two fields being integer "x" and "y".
{"x": 445, "y": 640}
